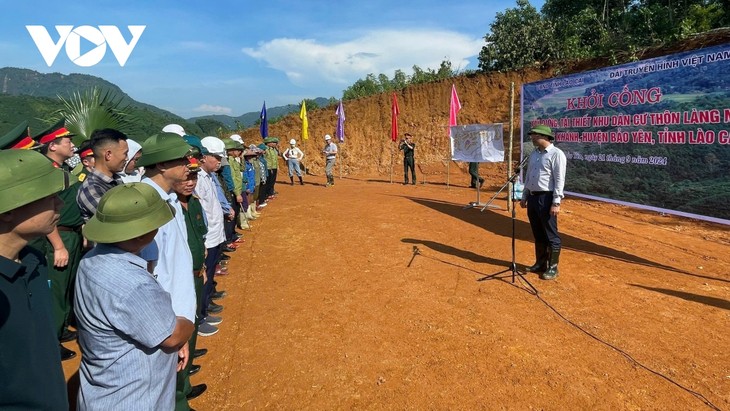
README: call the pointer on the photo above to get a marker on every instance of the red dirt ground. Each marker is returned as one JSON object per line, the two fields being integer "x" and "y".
{"x": 329, "y": 307}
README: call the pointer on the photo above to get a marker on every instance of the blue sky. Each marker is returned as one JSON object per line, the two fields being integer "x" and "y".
{"x": 226, "y": 57}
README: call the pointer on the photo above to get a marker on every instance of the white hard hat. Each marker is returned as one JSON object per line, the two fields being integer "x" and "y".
{"x": 174, "y": 128}
{"x": 292, "y": 142}
{"x": 236, "y": 138}
{"x": 214, "y": 145}
{"x": 327, "y": 137}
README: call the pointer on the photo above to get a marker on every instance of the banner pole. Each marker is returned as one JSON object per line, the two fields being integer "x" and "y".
{"x": 510, "y": 171}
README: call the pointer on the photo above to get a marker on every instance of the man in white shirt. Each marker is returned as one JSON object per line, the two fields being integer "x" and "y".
{"x": 543, "y": 193}
{"x": 216, "y": 237}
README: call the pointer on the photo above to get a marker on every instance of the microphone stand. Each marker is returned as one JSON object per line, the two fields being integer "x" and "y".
{"x": 513, "y": 265}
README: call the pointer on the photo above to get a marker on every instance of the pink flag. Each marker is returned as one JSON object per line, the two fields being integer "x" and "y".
{"x": 394, "y": 119}
{"x": 455, "y": 106}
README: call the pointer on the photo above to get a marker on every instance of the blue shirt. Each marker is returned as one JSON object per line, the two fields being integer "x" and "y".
{"x": 123, "y": 316}
{"x": 225, "y": 204}
{"x": 173, "y": 262}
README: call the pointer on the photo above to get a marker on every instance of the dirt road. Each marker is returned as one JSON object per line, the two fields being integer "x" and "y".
{"x": 330, "y": 307}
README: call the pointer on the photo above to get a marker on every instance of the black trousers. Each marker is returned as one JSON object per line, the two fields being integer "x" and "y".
{"x": 544, "y": 226}
{"x": 409, "y": 162}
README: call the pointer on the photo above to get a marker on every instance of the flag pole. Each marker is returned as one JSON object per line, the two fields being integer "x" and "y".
{"x": 392, "y": 143}
{"x": 510, "y": 204}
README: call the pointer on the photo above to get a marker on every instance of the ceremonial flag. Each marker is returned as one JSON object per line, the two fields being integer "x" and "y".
{"x": 305, "y": 122}
{"x": 340, "y": 131}
{"x": 394, "y": 111}
{"x": 264, "y": 127}
{"x": 454, "y": 107}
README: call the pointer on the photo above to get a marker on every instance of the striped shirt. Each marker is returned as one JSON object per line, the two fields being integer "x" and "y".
{"x": 123, "y": 316}
{"x": 92, "y": 188}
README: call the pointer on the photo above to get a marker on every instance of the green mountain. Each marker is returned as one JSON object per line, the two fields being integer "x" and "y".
{"x": 29, "y": 95}
{"x": 33, "y": 96}
{"x": 250, "y": 119}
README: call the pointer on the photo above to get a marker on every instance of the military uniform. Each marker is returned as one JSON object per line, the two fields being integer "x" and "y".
{"x": 62, "y": 279}
{"x": 29, "y": 355}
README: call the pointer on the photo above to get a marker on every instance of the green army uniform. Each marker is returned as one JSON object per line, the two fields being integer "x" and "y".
{"x": 195, "y": 224}
{"x": 62, "y": 279}
{"x": 29, "y": 355}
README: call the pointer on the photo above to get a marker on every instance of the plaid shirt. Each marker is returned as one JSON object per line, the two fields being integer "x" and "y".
{"x": 92, "y": 188}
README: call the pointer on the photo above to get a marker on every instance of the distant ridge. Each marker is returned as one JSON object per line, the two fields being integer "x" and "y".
{"x": 249, "y": 119}
{"x": 32, "y": 96}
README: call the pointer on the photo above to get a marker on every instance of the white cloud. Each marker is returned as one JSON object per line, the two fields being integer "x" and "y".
{"x": 207, "y": 108}
{"x": 306, "y": 61}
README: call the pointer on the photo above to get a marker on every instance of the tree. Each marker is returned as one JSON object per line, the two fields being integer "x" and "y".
{"x": 519, "y": 37}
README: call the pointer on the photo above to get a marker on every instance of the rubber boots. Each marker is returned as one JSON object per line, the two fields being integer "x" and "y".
{"x": 541, "y": 259}
{"x": 252, "y": 209}
{"x": 249, "y": 214}
{"x": 552, "y": 271}
{"x": 292, "y": 180}
{"x": 301, "y": 182}
{"x": 243, "y": 221}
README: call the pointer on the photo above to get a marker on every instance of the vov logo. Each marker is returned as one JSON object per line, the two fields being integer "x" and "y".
{"x": 71, "y": 37}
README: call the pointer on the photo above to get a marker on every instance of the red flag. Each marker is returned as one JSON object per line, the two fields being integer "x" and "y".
{"x": 454, "y": 107}
{"x": 394, "y": 119}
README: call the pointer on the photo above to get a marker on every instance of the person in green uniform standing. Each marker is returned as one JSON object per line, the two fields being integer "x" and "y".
{"x": 29, "y": 359}
{"x": 63, "y": 246}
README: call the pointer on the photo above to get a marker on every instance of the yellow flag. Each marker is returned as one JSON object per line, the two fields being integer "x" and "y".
{"x": 305, "y": 123}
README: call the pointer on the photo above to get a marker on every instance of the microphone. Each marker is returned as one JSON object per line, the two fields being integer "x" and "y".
{"x": 522, "y": 164}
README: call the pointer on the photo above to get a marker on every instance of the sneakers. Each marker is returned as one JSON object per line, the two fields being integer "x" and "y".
{"x": 206, "y": 330}
{"x": 213, "y": 320}
{"x": 214, "y": 308}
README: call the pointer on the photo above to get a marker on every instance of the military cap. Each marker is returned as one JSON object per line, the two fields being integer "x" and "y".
{"x": 17, "y": 138}
{"x": 162, "y": 147}
{"x": 85, "y": 150}
{"x": 268, "y": 140}
{"x": 27, "y": 176}
{"x": 127, "y": 211}
{"x": 57, "y": 130}
{"x": 543, "y": 130}
{"x": 231, "y": 144}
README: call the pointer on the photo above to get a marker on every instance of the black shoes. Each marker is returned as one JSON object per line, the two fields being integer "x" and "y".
{"x": 218, "y": 295}
{"x": 196, "y": 390}
{"x": 194, "y": 369}
{"x": 66, "y": 354}
{"x": 225, "y": 257}
{"x": 214, "y": 308}
{"x": 227, "y": 249}
{"x": 200, "y": 352}
{"x": 68, "y": 335}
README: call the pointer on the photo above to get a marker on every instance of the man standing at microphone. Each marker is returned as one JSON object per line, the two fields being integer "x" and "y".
{"x": 543, "y": 192}
{"x": 408, "y": 147}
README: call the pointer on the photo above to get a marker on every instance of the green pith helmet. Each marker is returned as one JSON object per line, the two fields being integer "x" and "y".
{"x": 27, "y": 176}
{"x": 543, "y": 130}
{"x": 17, "y": 138}
{"x": 232, "y": 144}
{"x": 163, "y": 147}
{"x": 268, "y": 140}
{"x": 127, "y": 211}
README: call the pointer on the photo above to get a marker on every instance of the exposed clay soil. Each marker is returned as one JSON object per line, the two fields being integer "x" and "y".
{"x": 371, "y": 295}
{"x": 329, "y": 307}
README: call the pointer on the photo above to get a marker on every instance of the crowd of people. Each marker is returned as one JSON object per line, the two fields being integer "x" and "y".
{"x": 125, "y": 247}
